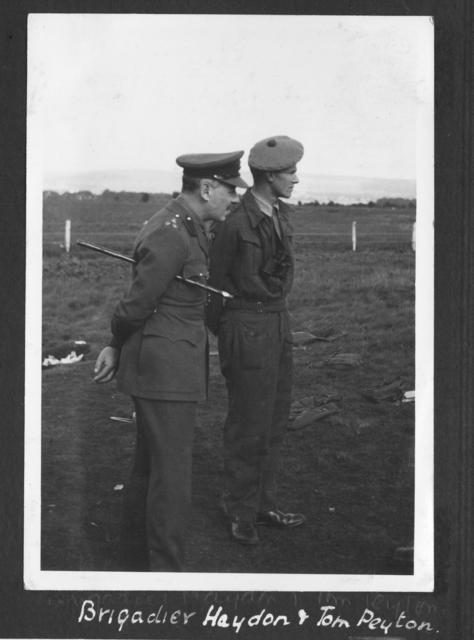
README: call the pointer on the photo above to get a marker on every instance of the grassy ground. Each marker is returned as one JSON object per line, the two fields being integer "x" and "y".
{"x": 351, "y": 473}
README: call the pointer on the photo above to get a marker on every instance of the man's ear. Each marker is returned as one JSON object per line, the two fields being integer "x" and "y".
{"x": 204, "y": 189}
{"x": 270, "y": 176}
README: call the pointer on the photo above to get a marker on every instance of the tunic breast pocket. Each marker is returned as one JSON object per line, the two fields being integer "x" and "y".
{"x": 251, "y": 254}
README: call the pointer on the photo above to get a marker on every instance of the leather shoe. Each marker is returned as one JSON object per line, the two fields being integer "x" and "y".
{"x": 244, "y": 531}
{"x": 277, "y": 518}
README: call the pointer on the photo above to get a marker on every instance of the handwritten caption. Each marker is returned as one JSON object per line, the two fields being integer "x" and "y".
{"x": 216, "y": 616}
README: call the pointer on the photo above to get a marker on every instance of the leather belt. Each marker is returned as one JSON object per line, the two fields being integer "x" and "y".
{"x": 256, "y": 306}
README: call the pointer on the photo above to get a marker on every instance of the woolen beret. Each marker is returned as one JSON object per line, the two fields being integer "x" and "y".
{"x": 275, "y": 153}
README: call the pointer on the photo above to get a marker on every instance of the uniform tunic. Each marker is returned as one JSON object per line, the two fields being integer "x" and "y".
{"x": 250, "y": 260}
{"x": 159, "y": 324}
{"x": 159, "y": 328}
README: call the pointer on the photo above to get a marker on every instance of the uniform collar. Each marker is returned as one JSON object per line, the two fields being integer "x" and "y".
{"x": 256, "y": 215}
{"x": 180, "y": 205}
{"x": 265, "y": 206}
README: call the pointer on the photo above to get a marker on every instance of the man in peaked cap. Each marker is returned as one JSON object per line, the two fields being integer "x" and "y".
{"x": 252, "y": 258}
{"x": 158, "y": 351}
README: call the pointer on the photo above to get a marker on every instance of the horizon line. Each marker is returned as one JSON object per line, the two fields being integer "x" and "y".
{"x": 173, "y": 170}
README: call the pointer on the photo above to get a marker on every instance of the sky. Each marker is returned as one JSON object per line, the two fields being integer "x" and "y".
{"x": 131, "y": 92}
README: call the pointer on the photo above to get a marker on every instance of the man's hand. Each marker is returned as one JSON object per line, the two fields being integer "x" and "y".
{"x": 106, "y": 364}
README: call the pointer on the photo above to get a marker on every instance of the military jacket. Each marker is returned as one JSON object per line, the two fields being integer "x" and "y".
{"x": 159, "y": 324}
{"x": 248, "y": 259}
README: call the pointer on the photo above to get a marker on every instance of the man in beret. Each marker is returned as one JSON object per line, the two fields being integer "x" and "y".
{"x": 252, "y": 258}
{"x": 158, "y": 351}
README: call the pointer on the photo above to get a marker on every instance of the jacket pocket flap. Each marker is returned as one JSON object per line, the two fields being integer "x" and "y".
{"x": 156, "y": 325}
{"x": 251, "y": 238}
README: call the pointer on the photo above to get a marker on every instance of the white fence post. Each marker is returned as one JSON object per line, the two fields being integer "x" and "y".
{"x": 413, "y": 237}
{"x": 67, "y": 236}
{"x": 354, "y": 235}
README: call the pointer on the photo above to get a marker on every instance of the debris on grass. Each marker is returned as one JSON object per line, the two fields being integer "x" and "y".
{"x": 332, "y": 337}
{"x": 121, "y": 419}
{"x": 324, "y": 396}
{"x": 386, "y": 392}
{"x": 309, "y": 416}
{"x": 49, "y": 361}
{"x": 71, "y": 358}
{"x": 63, "y": 349}
{"x": 302, "y": 338}
{"x": 68, "y": 352}
{"x": 343, "y": 360}
{"x": 118, "y": 487}
{"x": 408, "y": 396}
{"x": 309, "y": 409}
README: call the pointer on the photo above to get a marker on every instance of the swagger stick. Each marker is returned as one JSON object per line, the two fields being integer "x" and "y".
{"x": 120, "y": 256}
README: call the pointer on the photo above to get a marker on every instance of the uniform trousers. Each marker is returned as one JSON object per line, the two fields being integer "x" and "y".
{"x": 157, "y": 500}
{"x": 256, "y": 360}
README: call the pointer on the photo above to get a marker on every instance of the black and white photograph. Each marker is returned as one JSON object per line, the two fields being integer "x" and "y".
{"x": 236, "y": 291}
{"x": 229, "y": 285}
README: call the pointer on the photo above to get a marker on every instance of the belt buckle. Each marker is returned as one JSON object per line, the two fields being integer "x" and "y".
{"x": 259, "y": 307}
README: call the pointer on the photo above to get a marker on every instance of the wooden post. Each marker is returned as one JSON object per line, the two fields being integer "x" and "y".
{"x": 67, "y": 236}
{"x": 354, "y": 235}
{"x": 413, "y": 237}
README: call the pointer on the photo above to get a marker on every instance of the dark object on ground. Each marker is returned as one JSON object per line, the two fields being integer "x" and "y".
{"x": 388, "y": 391}
{"x": 312, "y": 415}
{"x": 63, "y": 349}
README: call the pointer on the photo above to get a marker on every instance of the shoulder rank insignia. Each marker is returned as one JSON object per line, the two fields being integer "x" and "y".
{"x": 174, "y": 221}
{"x": 185, "y": 220}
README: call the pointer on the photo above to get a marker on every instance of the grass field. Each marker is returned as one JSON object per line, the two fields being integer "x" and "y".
{"x": 115, "y": 222}
{"x": 350, "y": 473}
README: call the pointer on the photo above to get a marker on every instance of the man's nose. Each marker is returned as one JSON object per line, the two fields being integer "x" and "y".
{"x": 295, "y": 179}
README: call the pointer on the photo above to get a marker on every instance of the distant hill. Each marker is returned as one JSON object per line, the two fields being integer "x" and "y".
{"x": 349, "y": 189}
{"x": 144, "y": 181}
{"x": 343, "y": 189}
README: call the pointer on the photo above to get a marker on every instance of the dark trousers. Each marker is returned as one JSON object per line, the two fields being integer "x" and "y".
{"x": 157, "y": 500}
{"x": 256, "y": 360}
